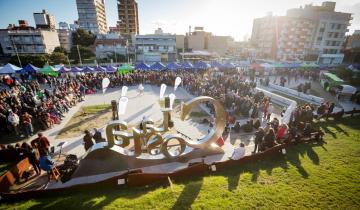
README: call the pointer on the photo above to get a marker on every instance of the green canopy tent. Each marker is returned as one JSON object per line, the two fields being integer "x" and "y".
{"x": 49, "y": 70}
{"x": 309, "y": 65}
{"x": 125, "y": 69}
{"x": 278, "y": 65}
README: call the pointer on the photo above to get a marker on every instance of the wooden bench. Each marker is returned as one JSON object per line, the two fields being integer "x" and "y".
{"x": 10, "y": 177}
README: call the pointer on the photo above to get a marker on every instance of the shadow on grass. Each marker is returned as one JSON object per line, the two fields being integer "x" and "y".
{"x": 91, "y": 198}
{"x": 188, "y": 194}
{"x": 291, "y": 158}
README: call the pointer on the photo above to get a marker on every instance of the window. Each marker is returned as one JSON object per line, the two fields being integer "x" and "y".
{"x": 330, "y": 34}
{"x": 336, "y": 35}
{"x": 322, "y": 29}
{"x": 338, "y": 26}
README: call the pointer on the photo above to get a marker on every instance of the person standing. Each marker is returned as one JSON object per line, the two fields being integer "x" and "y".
{"x": 259, "y": 135}
{"x": 28, "y": 127}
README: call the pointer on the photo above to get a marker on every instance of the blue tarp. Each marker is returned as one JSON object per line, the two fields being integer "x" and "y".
{"x": 173, "y": 66}
{"x": 9, "y": 69}
{"x": 75, "y": 69}
{"x": 111, "y": 69}
{"x": 158, "y": 66}
{"x": 29, "y": 69}
{"x": 64, "y": 70}
{"x": 88, "y": 69}
{"x": 100, "y": 68}
{"x": 142, "y": 66}
{"x": 216, "y": 64}
{"x": 228, "y": 66}
{"x": 201, "y": 65}
{"x": 186, "y": 65}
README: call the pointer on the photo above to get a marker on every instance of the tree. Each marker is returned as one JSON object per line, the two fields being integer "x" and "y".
{"x": 57, "y": 58}
{"x": 61, "y": 50}
{"x": 85, "y": 52}
{"x": 36, "y": 60}
{"x": 83, "y": 38}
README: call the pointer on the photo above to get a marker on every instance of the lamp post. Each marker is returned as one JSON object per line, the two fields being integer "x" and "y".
{"x": 77, "y": 46}
{"x": 17, "y": 54}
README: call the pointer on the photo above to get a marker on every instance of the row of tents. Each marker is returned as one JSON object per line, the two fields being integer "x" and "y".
{"x": 158, "y": 66}
{"x": 52, "y": 71}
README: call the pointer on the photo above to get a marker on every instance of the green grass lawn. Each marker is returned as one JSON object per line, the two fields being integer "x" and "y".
{"x": 309, "y": 176}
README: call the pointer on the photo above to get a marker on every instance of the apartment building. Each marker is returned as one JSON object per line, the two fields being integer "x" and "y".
{"x": 107, "y": 45}
{"x": 155, "y": 47}
{"x": 307, "y": 32}
{"x": 128, "y": 23}
{"x": 92, "y": 16}
{"x": 44, "y": 20}
{"x": 24, "y": 39}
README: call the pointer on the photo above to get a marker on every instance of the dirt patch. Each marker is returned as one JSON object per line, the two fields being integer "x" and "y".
{"x": 88, "y": 117}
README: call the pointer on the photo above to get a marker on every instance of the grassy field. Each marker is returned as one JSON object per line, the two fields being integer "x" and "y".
{"x": 88, "y": 117}
{"x": 309, "y": 176}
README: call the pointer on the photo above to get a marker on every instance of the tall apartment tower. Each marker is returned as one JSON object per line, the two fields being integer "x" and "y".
{"x": 128, "y": 23}
{"x": 44, "y": 20}
{"x": 92, "y": 16}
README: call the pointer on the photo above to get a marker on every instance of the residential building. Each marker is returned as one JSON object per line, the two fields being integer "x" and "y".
{"x": 352, "y": 48}
{"x": 128, "y": 23}
{"x": 63, "y": 25}
{"x": 24, "y": 39}
{"x": 180, "y": 43}
{"x": 199, "y": 40}
{"x": 44, "y": 20}
{"x": 92, "y": 16}
{"x": 265, "y": 32}
{"x": 65, "y": 38}
{"x": 305, "y": 33}
{"x": 155, "y": 47}
{"x": 220, "y": 44}
{"x": 329, "y": 33}
{"x": 110, "y": 45}
{"x": 295, "y": 39}
{"x": 74, "y": 26}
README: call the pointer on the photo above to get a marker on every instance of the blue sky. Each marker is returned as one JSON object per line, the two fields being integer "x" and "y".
{"x": 226, "y": 17}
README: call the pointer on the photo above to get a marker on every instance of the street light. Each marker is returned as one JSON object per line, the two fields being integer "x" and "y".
{"x": 17, "y": 54}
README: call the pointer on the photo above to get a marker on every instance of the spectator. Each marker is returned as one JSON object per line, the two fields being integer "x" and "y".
{"x": 27, "y": 122}
{"x": 259, "y": 135}
{"x": 14, "y": 121}
{"x": 239, "y": 152}
{"x": 88, "y": 143}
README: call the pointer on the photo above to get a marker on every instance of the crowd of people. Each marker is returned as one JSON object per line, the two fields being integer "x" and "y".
{"x": 37, "y": 104}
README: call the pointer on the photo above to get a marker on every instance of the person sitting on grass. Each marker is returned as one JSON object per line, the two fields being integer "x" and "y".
{"x": 239, "y": 152}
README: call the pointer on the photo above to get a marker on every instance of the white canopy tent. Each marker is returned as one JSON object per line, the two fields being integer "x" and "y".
{"x": 348, "y": 89}
{"x": 9, "y": 69}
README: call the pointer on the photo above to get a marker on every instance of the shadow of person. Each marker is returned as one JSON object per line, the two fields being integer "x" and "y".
{"x": 312, "y": 155}
{"x": 188, "y": 194}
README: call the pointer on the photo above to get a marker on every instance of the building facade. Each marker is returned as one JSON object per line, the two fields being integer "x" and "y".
{"x": 128, "y": 23}
{"x": 305, "y": 33}
{"x": 155, "y": 48}
{"x": 109, "y": 46}
{"x": 92, "y": 16}
{"x": 28, "y": 40}
{"x": 65, "y": 38}
{"x": 352, "y": 48}
{"x": 44, "y": 20}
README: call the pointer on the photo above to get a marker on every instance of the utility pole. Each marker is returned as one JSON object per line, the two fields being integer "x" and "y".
{"x": 77, "y": 46}
{"x": 17, "y": 54}
{"x": 115, "y": 53}
{"x": 67, "y": 57}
